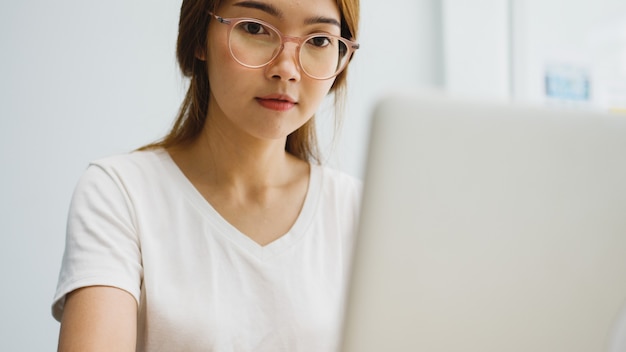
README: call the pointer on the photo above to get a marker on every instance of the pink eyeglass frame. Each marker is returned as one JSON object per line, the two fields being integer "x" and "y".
{"x": 350, "y": 45}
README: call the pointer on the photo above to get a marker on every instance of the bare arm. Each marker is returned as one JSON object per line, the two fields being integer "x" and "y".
{"x": 99, "y": 318}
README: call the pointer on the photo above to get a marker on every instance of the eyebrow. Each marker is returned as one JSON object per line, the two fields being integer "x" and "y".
{"x": 320, "y": 19}
{"x": 274, "y": 11}
{"x": 270, "y": 9}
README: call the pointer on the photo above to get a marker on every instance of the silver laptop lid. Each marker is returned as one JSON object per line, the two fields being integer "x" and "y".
{"x": 490, "y": 227}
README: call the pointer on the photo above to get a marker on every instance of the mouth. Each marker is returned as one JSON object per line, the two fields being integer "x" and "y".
{"x": 277, "y": 102}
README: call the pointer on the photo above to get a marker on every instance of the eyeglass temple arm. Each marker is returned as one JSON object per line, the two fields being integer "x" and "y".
{"x": 220, "y": 19}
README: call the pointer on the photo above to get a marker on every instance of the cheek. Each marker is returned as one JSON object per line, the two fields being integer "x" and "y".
{"x": 221, "y": 67}
{"x": 315, "y": 93}
{"x": 218, "y": 64}
{"x": 318, "y": 91}
{"x": 226, "y": 79}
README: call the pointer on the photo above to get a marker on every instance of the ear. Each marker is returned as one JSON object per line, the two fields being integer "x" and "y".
{"x": 201, "y": 54}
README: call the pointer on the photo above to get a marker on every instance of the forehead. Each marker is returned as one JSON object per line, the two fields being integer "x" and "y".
{"x": 285, "y": 9}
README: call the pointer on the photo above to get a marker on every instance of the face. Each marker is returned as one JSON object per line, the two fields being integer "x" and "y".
{"x": 270, "y": 102}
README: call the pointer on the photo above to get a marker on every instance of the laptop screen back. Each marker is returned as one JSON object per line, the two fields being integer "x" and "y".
{"x": 490, "y": 227}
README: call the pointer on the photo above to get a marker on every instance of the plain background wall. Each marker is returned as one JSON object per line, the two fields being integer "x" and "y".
{"x": 83, "y": 79}
{"x": 584, "y": 34}
{"x": 476, "y": 48}
{"x": 79, "y": 80}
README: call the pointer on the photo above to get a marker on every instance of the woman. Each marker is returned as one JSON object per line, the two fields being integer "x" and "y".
{"x": 226, "y": 235}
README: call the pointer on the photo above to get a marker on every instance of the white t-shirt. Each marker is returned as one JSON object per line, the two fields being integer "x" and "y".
{"x": 137, "y": 223}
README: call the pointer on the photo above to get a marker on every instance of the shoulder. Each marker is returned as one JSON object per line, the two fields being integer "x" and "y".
{"x": 339, "y": 187}
{"x": 339, "y": 180}
{"x": 338, "y": 203}
{"x": 131, "y": 162}
{"x": 133, "y": 167}
{"x": 124, "y": 176}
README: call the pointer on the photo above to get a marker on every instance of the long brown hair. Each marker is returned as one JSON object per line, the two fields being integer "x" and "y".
{"x": 192, "y": 30}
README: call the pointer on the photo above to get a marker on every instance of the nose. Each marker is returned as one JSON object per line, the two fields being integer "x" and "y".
{"x": 285, "y": 66}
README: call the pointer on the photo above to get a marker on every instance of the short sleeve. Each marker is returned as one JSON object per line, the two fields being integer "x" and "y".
{"x": 102, "y": 246}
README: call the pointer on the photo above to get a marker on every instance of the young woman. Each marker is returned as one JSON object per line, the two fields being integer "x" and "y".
{"x": 227, "y": 235}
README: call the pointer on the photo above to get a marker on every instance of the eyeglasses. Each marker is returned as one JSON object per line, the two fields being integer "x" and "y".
{"x": 255, "y": 44}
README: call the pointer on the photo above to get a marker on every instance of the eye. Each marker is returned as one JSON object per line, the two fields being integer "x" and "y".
{"x": 252, "y": 27}
{"x": 320, "y": 41}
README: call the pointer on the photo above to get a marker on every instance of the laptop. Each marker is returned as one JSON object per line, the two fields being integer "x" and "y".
{"x": 490, "y": 227}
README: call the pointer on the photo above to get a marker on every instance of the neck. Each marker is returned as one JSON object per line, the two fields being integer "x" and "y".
{"x": 235, "y": 161}
{"x": 242, "y": 162}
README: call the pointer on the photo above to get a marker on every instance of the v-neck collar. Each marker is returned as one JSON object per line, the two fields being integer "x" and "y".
{"x": 230, "y": 232}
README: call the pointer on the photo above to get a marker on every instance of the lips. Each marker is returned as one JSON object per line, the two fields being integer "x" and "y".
{"x": 277, "y": 102}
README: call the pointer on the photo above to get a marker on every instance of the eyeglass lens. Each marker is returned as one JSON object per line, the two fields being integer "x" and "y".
{"x": 254, "y": 44}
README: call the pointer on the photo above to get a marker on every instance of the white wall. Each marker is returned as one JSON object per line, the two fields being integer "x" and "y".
{"x": 78, "y": 80}
{"x": 401, "y": 48}
{"x": 503, "y": 49}
{"x": 584, "y": 35}
{"x": 83, "y": 79}
{"x": 476, "y": 40}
